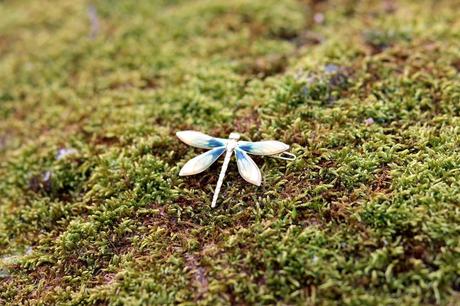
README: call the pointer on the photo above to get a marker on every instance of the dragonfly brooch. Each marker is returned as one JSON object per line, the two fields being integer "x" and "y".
{"x": 246, "y": 166}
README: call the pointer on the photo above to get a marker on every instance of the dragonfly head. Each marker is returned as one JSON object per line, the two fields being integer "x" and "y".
{"x": 234, "y": 136}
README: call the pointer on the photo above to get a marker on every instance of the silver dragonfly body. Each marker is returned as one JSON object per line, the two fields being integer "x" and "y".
{"x": 246, "y": 166}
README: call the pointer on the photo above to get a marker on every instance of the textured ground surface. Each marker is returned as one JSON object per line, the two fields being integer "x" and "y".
{"x": 92, "y": 210}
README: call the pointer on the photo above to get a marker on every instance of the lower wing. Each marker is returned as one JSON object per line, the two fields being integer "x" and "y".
{"x": 268, "y": 147}
{"x": 248, "y": 168}
{"x": 201, "y": 162}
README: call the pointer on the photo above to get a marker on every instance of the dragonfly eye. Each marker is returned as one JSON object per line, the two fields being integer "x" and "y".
{"x": 234, "y": 136}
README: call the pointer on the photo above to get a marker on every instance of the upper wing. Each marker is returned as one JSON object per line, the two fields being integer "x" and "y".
{"x": 248, "y": 168}
{"x": 268, "y": 147}
{"x": 201, "y": 162}
{"x": 200, "y": 140}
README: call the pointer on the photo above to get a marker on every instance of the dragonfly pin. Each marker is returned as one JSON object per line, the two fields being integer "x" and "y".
{"x": 246, "y": 166}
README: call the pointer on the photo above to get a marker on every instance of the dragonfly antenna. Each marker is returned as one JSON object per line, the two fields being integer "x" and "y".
{"x": 285, "y": 156}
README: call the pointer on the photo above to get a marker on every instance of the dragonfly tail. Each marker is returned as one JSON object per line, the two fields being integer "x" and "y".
{"x": 228, "y": 155}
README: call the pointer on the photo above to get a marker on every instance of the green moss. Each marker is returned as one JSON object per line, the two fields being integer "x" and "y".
{"x": 92, "y": 210}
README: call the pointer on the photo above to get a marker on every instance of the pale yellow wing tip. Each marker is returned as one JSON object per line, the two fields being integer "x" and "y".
{"x": 180, "y": 135}
{"x": 257, "y": 183}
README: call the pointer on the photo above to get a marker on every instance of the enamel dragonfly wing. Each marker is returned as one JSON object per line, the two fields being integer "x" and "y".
{"x": 218, "y": 146}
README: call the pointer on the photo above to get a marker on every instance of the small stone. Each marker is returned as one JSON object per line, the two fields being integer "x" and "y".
{"x": 331, "y": 68}
{"x": 64, "y": 152}
{"x": 46, "y": 176}
{"x": 369, "y": 121}
{"x": 4, "y": 273}
{"x": 94, "y": 21}
{"x": 318, "y": 18}
{"x": 29, "y": 250}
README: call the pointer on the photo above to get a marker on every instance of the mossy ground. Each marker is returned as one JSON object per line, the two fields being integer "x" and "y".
{"x": 92, "y": 210}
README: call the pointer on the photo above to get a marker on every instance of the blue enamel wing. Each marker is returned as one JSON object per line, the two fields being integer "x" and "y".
{"x": 217, "y": 146}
